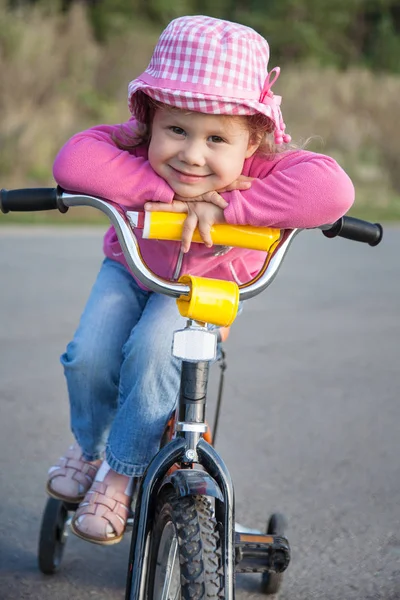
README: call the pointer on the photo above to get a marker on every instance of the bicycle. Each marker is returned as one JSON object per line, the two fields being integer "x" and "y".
{"x": 184, "y": 541}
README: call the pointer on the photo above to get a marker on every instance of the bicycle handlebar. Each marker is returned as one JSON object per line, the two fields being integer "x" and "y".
{"x": 357, "y": 230}
{"x": 37, "y": 199}
{"x": 31, "y": 199}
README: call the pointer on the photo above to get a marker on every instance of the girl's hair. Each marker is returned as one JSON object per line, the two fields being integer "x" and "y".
{"x": 260, "y": 127}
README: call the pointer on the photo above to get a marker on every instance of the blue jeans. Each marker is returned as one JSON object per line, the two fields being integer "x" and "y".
{"x": 123, "y": 382}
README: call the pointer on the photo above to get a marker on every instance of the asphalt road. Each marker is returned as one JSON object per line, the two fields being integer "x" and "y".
{"x": 310, "y": 421}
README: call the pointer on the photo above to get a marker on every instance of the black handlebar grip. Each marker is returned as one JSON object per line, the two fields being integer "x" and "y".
{"x": 357, "y": 230}
{"x": 31, "y": 199}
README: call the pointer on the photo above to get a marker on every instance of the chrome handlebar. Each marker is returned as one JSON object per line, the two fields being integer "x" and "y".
{"x": 130, "y": 247}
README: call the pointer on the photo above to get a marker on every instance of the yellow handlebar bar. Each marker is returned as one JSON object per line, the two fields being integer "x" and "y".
{"x": 168, "y": 226}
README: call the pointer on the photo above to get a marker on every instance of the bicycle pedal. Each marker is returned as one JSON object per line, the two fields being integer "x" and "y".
{"x": 259, "y": 553}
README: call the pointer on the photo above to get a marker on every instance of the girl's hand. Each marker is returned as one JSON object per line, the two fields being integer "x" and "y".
{"x": 200, "y": 214}
{"x": 210, "y": 197}
{"x": 241, "y": 183}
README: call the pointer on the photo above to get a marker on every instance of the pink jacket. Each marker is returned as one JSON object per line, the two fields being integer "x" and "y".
{"x": 294, "y": 189}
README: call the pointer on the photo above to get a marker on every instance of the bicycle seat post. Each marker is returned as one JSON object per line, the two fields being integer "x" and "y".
{"x": 196, "y": 346}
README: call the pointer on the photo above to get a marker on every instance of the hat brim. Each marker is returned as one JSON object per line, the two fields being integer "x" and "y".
{"x": 201, "y": 102}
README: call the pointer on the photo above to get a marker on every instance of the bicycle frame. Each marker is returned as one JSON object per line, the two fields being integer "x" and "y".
{"x": 188, "y": 447}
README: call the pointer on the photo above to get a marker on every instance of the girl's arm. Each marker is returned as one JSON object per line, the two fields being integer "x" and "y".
{"x": 302, "y": 189}
{"x": 92, "y": 163}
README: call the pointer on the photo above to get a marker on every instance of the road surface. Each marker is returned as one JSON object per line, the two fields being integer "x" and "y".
{"x": 310, "y": 427}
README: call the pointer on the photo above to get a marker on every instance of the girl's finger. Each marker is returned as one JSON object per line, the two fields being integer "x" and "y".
{"x": 176, "y": 207}
{"x": 215, "y": 198}
{"x": 205, "y": 232}
{"x": 188, "y": 229}
{"x": 237, "y": 185}
{"x": 243, "y": 182}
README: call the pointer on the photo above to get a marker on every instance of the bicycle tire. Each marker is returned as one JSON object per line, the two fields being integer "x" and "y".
{"x": 185, "y": 550}
{"x": 271, "y": 582}
{"x": 52, "y": 536}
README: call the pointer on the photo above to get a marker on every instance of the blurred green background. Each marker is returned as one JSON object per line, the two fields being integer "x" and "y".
{"x": 65, "y": 65}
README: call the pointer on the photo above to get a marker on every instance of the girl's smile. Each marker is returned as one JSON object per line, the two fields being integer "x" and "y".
{"x": 187, "y": 177}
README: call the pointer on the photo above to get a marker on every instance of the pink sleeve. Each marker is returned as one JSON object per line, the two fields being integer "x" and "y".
{"x": 91, "y": 163}
{"x": 301, "y": 189}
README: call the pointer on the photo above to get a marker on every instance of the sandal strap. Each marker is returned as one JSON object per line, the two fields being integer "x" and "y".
{"x": 109, "y": 491}
{"x": 80, "y": 470}
{"x": 71, "y": 477}
{"x": 106, "y": 502}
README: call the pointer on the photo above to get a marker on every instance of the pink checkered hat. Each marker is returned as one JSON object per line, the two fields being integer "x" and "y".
{"x": 212, "y": 66}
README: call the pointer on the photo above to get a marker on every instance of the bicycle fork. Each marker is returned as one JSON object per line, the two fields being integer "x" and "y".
{"x": 196, "y": 346}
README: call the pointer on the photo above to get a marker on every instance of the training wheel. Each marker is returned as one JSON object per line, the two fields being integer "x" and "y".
{"x": 271, "y": 582}
{"x": 53, "y": 536}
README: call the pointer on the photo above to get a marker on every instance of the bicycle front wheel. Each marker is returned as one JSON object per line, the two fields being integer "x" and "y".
{"x": 185, "y": 555}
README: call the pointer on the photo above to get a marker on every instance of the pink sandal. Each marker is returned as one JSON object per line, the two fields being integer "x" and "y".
{"x": 101, "y": 517}
{"x": 72, "y": 476}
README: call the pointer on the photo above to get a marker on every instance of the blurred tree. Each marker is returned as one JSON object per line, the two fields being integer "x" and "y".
{"x": 163, "y": 11}
{"x": 381, "y": 42}
{"x": 109, "y": 17}
{"x": 299, "y": 29}
{"x": 334, "y": 32}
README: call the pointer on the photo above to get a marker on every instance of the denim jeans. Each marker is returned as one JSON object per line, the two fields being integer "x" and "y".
{"x": 123, "y": 382}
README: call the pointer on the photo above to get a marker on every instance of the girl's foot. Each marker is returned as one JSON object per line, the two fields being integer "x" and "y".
{"x": 72, "y": 476}
{"x": 101, "y": 517}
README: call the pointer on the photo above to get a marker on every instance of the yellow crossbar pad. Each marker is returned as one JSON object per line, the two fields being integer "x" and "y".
{"x": 168, "y": 226}
{"x": 211, "y": 300}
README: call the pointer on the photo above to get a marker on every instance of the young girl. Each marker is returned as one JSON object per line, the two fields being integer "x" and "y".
{"x": 206, "y": 138}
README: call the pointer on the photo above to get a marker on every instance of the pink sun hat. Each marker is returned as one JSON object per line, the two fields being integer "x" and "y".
{"x": 212, "y": 66}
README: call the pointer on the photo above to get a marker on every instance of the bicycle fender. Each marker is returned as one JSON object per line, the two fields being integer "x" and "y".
{"x": 191, "y": 482}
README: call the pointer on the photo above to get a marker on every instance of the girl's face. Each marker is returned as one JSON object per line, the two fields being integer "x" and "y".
{"x": 197, "y": 153}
